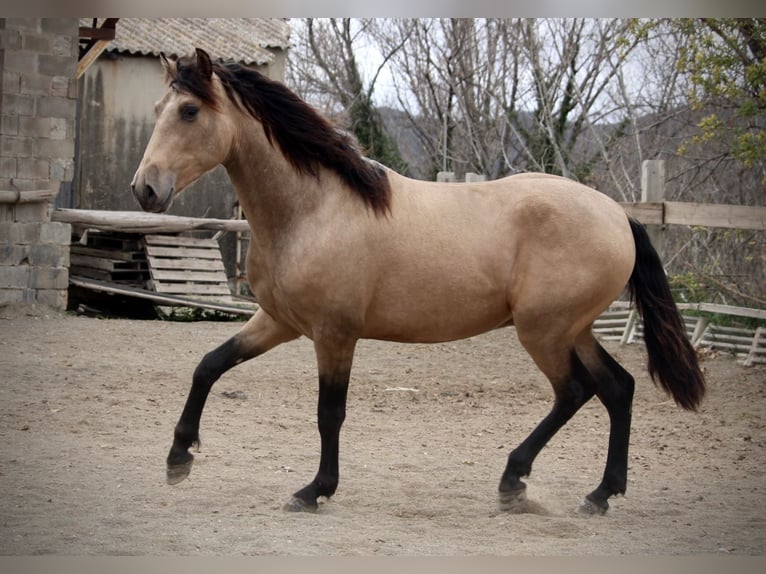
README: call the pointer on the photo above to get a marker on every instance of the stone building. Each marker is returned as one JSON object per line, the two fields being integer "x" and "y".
{"x": 75, "y": 143}
{"x": 38, "y": 61}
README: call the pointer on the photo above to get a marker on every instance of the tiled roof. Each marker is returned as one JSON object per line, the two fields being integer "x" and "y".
{"x": 243, "y": 40}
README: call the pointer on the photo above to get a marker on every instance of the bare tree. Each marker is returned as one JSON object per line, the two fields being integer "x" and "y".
{"x": 326, "y": 69}
{"x": 498, "y": 96}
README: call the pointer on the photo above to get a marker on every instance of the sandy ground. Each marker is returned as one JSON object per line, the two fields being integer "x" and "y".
{"x": 88, "y": 406}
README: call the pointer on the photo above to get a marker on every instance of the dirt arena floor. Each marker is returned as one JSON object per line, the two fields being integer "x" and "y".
{"x": 88, "y": 406}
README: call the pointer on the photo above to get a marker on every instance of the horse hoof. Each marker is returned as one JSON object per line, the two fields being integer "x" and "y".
{"x": 299, "y": 505}
{"x": 514, "y": 501}
{"x": 178, "y": 472}
{"x": 592, "y": 508}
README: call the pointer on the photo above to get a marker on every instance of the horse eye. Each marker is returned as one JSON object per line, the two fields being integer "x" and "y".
{"x": 189, "y": 112}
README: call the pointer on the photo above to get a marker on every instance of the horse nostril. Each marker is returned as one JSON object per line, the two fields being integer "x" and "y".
{"x": 149, "y": 192}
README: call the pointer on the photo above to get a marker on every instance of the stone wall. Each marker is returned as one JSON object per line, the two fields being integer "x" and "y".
{"x": 38, "y": 61}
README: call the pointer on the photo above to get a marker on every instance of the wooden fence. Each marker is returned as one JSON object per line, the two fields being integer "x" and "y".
{"x": 654, "y": 212}
{"x": 622, "y": 323}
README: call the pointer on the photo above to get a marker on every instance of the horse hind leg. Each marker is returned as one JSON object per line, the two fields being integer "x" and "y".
{"x": 614, "y": 388}
{"x": 573, "y": 387}
{"x": 257, "y": 336}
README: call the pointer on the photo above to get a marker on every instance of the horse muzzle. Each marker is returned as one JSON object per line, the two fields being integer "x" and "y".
{"x": 153, "y": 189}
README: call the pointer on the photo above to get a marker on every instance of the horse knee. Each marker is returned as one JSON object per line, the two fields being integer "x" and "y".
{"x": 219, "y": 360}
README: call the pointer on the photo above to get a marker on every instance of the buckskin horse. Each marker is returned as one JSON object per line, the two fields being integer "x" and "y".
{"x": 343, "y": 248}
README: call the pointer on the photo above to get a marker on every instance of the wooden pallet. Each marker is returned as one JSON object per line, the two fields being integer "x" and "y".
{"x": 114, "y": 257}
{"x": 188, "y": 267}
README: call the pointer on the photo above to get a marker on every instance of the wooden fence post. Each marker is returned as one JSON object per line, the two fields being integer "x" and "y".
{"x": 653, "y": 190}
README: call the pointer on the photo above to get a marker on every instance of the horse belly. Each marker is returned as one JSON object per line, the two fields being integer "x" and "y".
{"x": 430, "y": 312}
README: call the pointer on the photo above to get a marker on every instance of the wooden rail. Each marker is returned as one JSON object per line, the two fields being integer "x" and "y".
{"x": 702, "y": 214}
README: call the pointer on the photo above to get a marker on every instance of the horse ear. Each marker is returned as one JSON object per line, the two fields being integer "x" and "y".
{"x": 204, "y": 65}
{"x": 170, "y": 69}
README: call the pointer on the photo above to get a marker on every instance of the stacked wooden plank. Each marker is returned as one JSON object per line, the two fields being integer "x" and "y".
{"x": 612, "y": 324}
{"x": 695, "y": 329}
{"x": 188, "y": 267}
{"x": 620, "y": 323}
{"x": 747, "y": 344}
{"x": 114, "y": 257}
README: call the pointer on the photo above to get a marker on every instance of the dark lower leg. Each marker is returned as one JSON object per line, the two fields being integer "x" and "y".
{"x": 615, "y": 477}
{"x": 331, "y": 412}
{"x": 616, "y": 393}
{"x": 577, "y": 392}
{"x": 186, "y": 434}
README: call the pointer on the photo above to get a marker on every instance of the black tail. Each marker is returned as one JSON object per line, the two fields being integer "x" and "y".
{"x": 672, "y": 360}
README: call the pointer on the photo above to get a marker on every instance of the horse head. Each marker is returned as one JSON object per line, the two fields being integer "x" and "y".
{"x": 191, "y": 136}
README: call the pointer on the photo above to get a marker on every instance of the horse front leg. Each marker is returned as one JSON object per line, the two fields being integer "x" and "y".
{"x": 257, "y": 336}
{"x": 334, "y": 362}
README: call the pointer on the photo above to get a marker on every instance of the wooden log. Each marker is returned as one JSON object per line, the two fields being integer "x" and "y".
{"x": 160, "y": 298}
{"x": 141, "y": 222}
{"x": 35, "y": 196}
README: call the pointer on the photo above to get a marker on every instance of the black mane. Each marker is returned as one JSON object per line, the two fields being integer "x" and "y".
{"x": 305, "y": 137}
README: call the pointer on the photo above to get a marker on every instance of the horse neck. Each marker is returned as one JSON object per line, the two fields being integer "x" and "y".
{"x": 273, "y": 195}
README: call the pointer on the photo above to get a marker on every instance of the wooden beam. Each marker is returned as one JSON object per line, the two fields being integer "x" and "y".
{"x": 97, "y": 33}
{"x": 702, "y": 214}
{"x": 90, "y": 56}
{"x": 142, "y": 222}
{"x": 724, "y": 309}
{"x": 646, "y": 213}
{"x": 160, "y": 298}
{"x": 653, "y": 191}
{"x": 714, "y": 215}
{"x": 99, "y": 39}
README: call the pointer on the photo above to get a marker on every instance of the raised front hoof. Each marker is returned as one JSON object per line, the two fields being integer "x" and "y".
{"x": 296, "y": 504}
{"x": 592, "y": 507}
{"x": 178, "y": 472}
